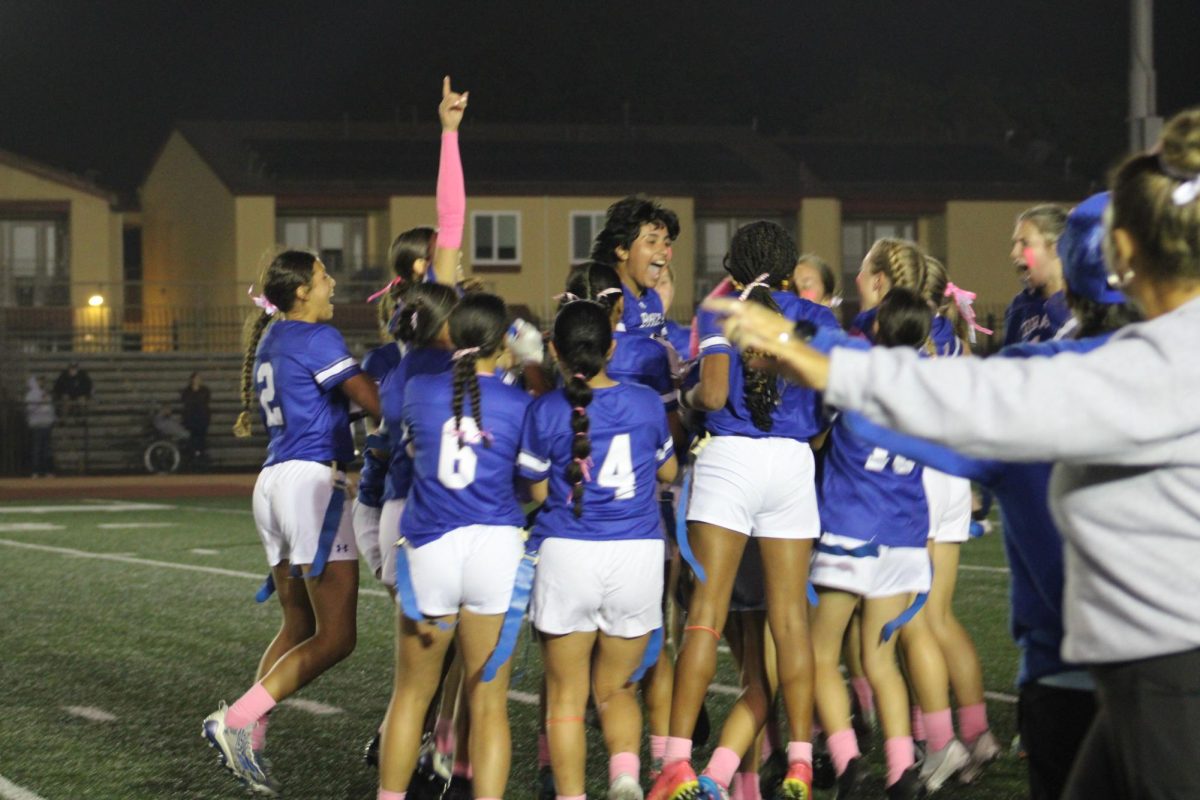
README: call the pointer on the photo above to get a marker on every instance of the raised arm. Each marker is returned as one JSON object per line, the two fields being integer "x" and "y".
{"x": 451, "y": 189}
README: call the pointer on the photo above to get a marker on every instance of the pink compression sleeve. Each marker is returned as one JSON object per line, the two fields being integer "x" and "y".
{"x": 451, "y": 194}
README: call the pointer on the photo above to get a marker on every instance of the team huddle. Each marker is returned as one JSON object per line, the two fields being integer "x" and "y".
{"x": 627, "y": 483}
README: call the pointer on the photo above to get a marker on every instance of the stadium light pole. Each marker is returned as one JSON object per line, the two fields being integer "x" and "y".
{"x": 1144, "y": 123}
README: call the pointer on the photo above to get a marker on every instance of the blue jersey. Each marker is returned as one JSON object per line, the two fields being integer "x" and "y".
{"x": 868, "y": 493}
{"x": 680, "y": 337}
{"x": 945, "y": 339}
{"x": 863, "y": 324}
{"x": 1033, "y": 318}
{"x": 456, "y": 486}
{"x": 377, "y": 363}
{"x": 643, "y": 313}
{"x": 297, "y": 368}
{"x": 798, "y": 414}
{"x": 644, "y": 360}
{"x": 630, "y": 441}
{"x": 418, "y": 361}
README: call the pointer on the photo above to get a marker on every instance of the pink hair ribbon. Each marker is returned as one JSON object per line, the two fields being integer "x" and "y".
{"x": 567, "y": 296}
{"x": 759, "y": 281}
{"x": 585, "y": 466}
{"x": 261, "y": 301}
{"x": 964, "y": 300}
{"x": 607, "y": 292}
{"x": 396, "y": 281}
{"x": 461, "y": 354}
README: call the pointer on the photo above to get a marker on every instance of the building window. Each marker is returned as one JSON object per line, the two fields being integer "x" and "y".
{"x": 712, "y": 243}
{"x": 33, "y": 262}
{"x": 857, "y": 237}
{"x": 584, "y": 227}
{"x": 341, "y": 242}
{"x": 496, "y": 237}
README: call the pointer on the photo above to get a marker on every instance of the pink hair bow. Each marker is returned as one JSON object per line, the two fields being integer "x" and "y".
{"x": 390, "y": 284}
{"x": 261, "y": 301}
{"x": 964, "y": 300}
{"x": 585, "y": 466}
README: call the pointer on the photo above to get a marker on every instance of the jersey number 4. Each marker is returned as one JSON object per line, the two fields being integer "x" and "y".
{"x": 878, "y": 461}
{"x": 266, "y": 395}
{"x": 617, "y": 470}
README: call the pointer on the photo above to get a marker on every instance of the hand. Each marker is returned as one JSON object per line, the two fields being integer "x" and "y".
{"x": 451, "y": 109}
{"x": 525, "y": 342}
{"x": 772, "y": 340}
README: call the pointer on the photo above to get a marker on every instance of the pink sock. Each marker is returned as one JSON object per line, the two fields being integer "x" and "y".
{"x": 899, "y": 750}
{"x": 745, "y": 787}
{"x": 862, "y": 691}
{"x": 461, "y": 769}
{"x": 624, "y": 764}
{"x": 246, "y": 709}
{"x": 658, "y": 746}
{"x": 767, "y": 750}
{"x": 258, "y": 736}
{"x": 972, "y": 722}
{"x": 568, "y": 797}
{"x": 384, "y": 794}
{"x": 939, "y": 730}
{"x": 543, "y": 751}
{"x": 721, "y": 766}
{"x": 918, "y": 724}
{"x": 843, "y": 746}
{"x": 678, "y": 749}
{"x": 799, "y": 752}
{"x": 443, "y": 736}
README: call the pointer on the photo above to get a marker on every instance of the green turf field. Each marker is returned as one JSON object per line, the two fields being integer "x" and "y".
{"x": 146, "y": 615}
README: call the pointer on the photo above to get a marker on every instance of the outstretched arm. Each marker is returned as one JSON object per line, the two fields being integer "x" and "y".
{"x": 451, "y": 189}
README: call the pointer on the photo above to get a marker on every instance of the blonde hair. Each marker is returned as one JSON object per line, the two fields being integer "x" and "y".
{"x": 901, "y": 261}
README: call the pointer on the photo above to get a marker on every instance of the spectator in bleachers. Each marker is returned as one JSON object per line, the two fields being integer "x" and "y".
{"x": 39, "y": 415}
{"x": 194, "y": 400}
{"x": 73, "y": 390}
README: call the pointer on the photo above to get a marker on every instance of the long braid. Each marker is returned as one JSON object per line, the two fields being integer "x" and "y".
{"x": 243, "y": 425}
{"x": 477, "y": 326}
{"x": 465, "y": 378}
{"x": 579, "y": 395}
{"x": 582, "y": 338}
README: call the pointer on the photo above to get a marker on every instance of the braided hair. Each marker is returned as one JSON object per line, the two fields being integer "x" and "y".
{"x": 760, "y": 253}
{"x": 902, "y": 262}
{"x": 582, "y": 338}
{"x": 477, "y": 327}
{"x": 286, "y": 273}
{"x": 593, "y": 281}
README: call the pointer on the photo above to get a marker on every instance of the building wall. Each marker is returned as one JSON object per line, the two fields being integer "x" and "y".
{"x": 978, "y": 241}
{"x": 254, "y": 232}
{"x": 94, "y": 230}
{"x": 819, "y": 223}
{"x": 188, "y": 229}
{"x": 545, "y": 243}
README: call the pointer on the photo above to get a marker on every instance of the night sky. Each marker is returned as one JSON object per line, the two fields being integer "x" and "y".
{"x": 94, "y": 86}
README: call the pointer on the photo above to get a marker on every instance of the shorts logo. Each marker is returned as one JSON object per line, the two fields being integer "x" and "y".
{"x": 341, "y": 548}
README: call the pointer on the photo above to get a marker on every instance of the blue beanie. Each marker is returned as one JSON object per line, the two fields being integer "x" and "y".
{"x": 1081, "y": 248}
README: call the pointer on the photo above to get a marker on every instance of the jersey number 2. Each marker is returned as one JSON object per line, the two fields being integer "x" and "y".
{"x": 456, "y": 465}
{"x": 617, "y": 470}
{"x": 266, "y": 395}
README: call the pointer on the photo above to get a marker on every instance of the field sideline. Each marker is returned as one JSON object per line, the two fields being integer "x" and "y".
{"x": 127, "y": 617}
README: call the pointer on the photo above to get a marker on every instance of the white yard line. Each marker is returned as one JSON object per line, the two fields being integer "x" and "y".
{"x": 311, "y": 706}
{"x": 204, "y": 551}
{"x": 528, "y": 698}
{"x": 1000, "y": 697}
{"x": 977, "y": 568}
{"x": 29, "y": 527}
{"x": 10, "y": 791}
{"x": 90, "y": 712}
{"x": 62, "y": 509}
{"x": 120, "y": 526}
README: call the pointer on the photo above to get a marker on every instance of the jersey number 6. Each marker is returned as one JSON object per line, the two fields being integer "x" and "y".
{"x": 456, "y": 464}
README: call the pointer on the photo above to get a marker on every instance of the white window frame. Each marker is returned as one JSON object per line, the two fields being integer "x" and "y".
{"x": 495, "y": 260}
{"x": 598, "y": 219}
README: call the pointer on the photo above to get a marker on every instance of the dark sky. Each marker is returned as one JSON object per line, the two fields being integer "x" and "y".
{"x": 93, "y": 85}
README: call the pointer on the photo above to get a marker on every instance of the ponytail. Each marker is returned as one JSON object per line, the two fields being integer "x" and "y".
{"x": 242, "y": 427}
{"x": 579, "y": 395}
{"x": 466, "y": 380}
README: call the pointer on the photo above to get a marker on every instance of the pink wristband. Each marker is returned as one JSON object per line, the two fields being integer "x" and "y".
{"x": 451, "y": 194}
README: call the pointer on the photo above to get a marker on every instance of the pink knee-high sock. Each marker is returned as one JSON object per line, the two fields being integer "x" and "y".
{"x": 722, "y": 765}
{"x": 678, "y": 749}
{"x": 863, "y": 693}
{"x": 918, "y": 724}
{"x": 972, "y": 722}
{"x": 543, "y": 751}
{"x": 570, "y": 797}
{"x": 443, "y": 736}
{"x": 384, "y": 794}
{"x": 256, "y": 702}
{"x": 799, "y": 752}
{"x": 624, "y": 764}
{"x": 843, "y": 746}
{"x": 939, "y": 729}
{"x": 258, "y": 736}
{"x": 899, "y": 753}
{"x": 658, "y": 746}
{"x": 451, "y": 194}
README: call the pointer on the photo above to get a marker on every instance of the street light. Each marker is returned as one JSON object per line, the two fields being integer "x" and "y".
{"x": 96, "y": 300}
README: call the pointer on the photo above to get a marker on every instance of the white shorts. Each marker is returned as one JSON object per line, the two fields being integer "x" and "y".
{"x": 759, "y": 487}
{"x": 291, "y": 501}
{"x": 615, "y": 587}
{"x": 949, "y": 499}
{"x": 896, "y": 570}
{"x": 366, "y": 535}
{"x": 473, "y": 567}
{"x": 389, "y": 534}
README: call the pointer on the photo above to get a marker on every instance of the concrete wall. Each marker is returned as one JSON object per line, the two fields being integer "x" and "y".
{"x": 188, "y": 229}
{"x": 93, "y": 230}
{"x": 819, "y": 226}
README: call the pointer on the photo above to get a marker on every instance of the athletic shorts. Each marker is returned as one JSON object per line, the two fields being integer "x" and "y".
{"x": 291, "y": 502}
{"x": 758, "y": 487}
{"x": 389, "y": 534}
{"x": 366, "y": 535}
{"x": 473, "y": 567}
{"x": 895, "y": 570}
{"x": 615, "y": 587}
{"x": 949, "y": 499}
